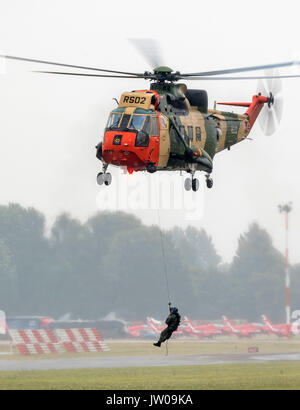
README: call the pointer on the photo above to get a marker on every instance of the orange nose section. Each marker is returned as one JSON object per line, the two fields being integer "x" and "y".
{"x": 120, "y": 149}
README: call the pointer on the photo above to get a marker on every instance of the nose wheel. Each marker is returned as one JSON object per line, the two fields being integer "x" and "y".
{"x": 104, "y": 178}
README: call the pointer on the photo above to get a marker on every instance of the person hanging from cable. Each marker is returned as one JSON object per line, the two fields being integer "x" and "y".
{"x": 172, "y": 322}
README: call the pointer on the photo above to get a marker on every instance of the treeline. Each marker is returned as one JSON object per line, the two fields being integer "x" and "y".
{"x": 114, "y": 263}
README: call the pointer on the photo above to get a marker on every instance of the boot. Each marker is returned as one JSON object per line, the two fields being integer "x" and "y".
{"x": 157, "y": 344}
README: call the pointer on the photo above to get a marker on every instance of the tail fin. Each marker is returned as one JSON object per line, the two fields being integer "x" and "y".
{"x": 266, "y": 320}
{"x": 268, "y": 323}
{"x": 225, "y": 318}
{"x": 229, "y": 324}
{"x": 191, "y": 325}
{"x": 152, "y": 323}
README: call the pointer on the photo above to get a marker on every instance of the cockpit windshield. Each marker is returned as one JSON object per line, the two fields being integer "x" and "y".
{"x": 139, "y": 122}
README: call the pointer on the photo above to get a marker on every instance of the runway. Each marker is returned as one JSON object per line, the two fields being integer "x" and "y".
{"x": 141, "y": 361}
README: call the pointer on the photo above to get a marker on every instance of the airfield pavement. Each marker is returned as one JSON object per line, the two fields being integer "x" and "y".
{"x": 141, "y": 361}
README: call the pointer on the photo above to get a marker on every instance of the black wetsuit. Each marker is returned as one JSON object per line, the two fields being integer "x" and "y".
{"x": 172, "y": 321}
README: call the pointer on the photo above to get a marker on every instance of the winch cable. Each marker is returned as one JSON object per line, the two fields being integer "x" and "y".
{"x": 163, "y": 253}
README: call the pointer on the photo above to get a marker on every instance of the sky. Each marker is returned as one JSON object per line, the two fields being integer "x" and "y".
{"x": 49, "y": 125}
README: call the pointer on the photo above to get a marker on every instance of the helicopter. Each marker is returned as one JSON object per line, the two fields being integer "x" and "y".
{"x": 169, "y": 127}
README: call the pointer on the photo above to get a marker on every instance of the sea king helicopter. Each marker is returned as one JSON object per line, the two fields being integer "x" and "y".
{"x": 169, "y": 127}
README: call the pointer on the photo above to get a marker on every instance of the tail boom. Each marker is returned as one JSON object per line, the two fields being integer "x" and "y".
{"x": 254, "y": 107}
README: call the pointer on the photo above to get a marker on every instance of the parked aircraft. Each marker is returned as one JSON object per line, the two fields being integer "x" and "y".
{"x": 141, "y": 330}
{"x": 244, "y": 330}
{"x": 280, "y": 330}
{"x": 208, "y": 330}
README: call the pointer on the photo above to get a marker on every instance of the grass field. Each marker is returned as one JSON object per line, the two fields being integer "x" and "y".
{"x": 250, "y": 376}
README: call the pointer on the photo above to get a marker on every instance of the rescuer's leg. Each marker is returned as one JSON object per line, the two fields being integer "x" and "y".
{"x": 165, "y": 334}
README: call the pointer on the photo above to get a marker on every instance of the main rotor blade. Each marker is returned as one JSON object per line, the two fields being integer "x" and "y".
{"x": 262, "y": 77}
{"x": 31, "y": 60}
{"x": 88, "y": 75}
{"x": 243, "y": 69}
{"x": 150, "y": 50}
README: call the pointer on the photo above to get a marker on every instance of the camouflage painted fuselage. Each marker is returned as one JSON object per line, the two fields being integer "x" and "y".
{"x": 186, "y": 136}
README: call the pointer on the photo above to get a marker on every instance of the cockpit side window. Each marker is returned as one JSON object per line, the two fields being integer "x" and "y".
{"x": 163, "y": 122}
{"x": 154, "y": 127}
{"x": 113, "y": 120}
{"x": 146, "y": 126}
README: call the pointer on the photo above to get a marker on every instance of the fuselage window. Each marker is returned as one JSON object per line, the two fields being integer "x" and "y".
{"x": 182, "y": 130}
{"x": 198, "y": 134}
{"x": 190, "y": 133}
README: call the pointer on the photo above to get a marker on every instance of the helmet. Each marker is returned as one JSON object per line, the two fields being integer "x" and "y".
{"x": 173, "y": 309}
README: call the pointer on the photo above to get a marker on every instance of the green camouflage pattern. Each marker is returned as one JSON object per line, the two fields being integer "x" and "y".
{"x": 219, "y": 130}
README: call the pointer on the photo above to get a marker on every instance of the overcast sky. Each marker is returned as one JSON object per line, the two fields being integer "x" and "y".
{"x": 50, "y": 125}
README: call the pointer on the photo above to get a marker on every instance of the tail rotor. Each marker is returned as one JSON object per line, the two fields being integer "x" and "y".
{"x": 271, "y": 114}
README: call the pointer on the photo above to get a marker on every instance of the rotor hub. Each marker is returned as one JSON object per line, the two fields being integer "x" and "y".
{"x": 162, "y": 74}
{"x": 270, "y": 100}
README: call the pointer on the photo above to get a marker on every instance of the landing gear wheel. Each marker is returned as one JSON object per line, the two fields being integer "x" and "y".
{"x": 107, "y": 178}
{"x": 195, "y": 184}
{"x": 100, "y": 178}
{"x": 209, "y": 182}
{"x": 188, "y": 184}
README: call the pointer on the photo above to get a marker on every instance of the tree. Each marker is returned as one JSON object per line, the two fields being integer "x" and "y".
{"x": 140, "y": 269}
{"x": 257, "y": 277}
{"x": 22, "y": 230}
{"x": 72, "y": 271}
{"x": 8, "y": 291}
{"x": 195, "y": 247}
